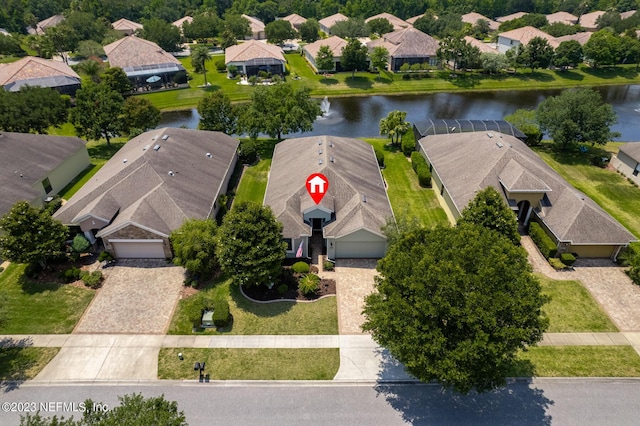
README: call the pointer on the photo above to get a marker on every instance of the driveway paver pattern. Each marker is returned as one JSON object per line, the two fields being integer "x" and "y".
{"x": 137, "y": 296}
{"x": 354, "y": 281}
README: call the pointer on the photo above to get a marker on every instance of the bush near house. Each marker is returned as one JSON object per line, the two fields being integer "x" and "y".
{"x": 379, "y": 157}
{"x": 309, "y": 284}
{"x": 545, "y": 244}
{"x": 92, "y": 280}
{"x": 300, "y": 268}
{"x": 328, "y": 266}
{"x": 424, "y": 176}
{"x": 416, "y": 160}
{"x": 568, "y": 259}
{"x": 408, "y": 144}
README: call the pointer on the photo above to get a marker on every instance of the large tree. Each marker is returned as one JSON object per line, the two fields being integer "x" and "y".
{"x": 217, "y": 113}
{"x": 139, "y": 113}
{"x": 97, "y": 112}
{"x": 577, "y": 115}
{"x": 32, "y": 109}
{"x": 457, "y": 50}
{"x": 379, "y": 26}
{"x": 194, "y": 246}
{"x": 568, "y": 54}
{"x": 602, "y": 48}
{"x": 379, "y": 58}
{"x": 204, "y": 25}
{"x": 199, "y": 57}
{"x": 250, "y": 246}
{"x": 354, "y": 56}
{"x": 237, "y": 25}
{"x": 489, "y": 210}
{"x": 278, "y": 110}
{"x": 456, "y": 305}
{"x": 525, "y": 120}
{"x": 30, "y": 235}
{"x": 324, "y": 59}
{"x": 279, "y": 31}
{"x": 164, "y": 34}
{"x": 351, "y": 28}
{"x": 310, "y": 30}
{"x": 395, "y": 126}
{"x": 116, "y": 79}
{"x": 538, "y": 53}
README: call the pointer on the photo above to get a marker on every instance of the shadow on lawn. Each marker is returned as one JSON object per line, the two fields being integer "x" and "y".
{"x": 259, "y": 309}
{"x": 329, "y": 81}
{"x": 103, "y": 151}
{"x": 611, "y": 72}
{"x": 569, "y": 75}
{"x": 572, "y": 155}
{"x": 358, "y": 82}
{"x": 13, "y": 363}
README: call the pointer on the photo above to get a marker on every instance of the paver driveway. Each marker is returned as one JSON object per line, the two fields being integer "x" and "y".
{"x": 138, "y": 296}
{"x": 354, "y": 281}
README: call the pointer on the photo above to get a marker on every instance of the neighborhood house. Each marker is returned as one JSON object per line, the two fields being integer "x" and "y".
{"x": 254, "y": 56}
{"x": 32, "y": 71}
{"x": 627, "y": 161}
{"x": 407, "y": 46}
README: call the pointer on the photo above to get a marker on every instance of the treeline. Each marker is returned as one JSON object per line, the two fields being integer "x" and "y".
{"x": 16, "y": 15}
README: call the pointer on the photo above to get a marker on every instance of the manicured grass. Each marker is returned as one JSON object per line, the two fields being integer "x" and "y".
{"x": 406, "y": 196}
{"x": 250, "y": 364}
{"x": 578, "y": 361}
{"x": 253, "y": 183}
{"x": 18, "y": 364}
{"x": 572, "y": 309}
{"x": 607, "y": 188}
{"x": 320, "y": 317}
{"x": 34, "y": 308}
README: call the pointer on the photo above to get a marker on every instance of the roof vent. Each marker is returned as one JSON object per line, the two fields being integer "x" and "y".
{"x": 146, "y": 147}
{"x": 320, "y": 161}
{"x": 319, "y": 141}
{"x": 154, "y": 138}
{"x": 124, "y": 161}
{"x": 490, "y": 135}
{"x": 157, "y": 147}
{"x": 331, "y": 144}
{"x": 171, "y": 173}
{"x": 320, "y": 151}
{"x": 331, "y": 159}
{"x": 499, "y": 144}
{"x": 165, "y": 137}
{"x": 208, "y": 154}
{"x": 364, "y": 198}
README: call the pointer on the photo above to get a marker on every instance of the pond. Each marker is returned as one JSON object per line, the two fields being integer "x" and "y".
{"x": 360, "y": 116}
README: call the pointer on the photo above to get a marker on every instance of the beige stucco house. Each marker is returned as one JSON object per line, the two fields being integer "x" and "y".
{"x": 34, "y": 71}
{"x": 334, "y": 43}
{"x": 627, "y": 161}
{"x": 254, "y": 56}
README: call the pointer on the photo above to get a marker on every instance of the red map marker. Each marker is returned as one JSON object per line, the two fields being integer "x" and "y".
{"x": 317, "y": 186}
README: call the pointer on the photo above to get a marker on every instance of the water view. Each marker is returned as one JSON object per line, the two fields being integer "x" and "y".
{"x": 360, "y": 116}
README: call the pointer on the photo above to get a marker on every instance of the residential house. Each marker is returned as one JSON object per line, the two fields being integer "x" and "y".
{"x": 35, "y": 168}
{"x": 398, "y": 24}
{"x": 330, "y": 21}
{"x": 482, "y": 46}
{"x": 510, "y": 39}
{"x": 126, "y": 26}
{"x": 581, "y": 38}
{"x": 42, "y": 26}
{"x": 562, "y": 18}
{"x": 142, "y": 60}
{"x": 532, "y": 189}
{"x": 627, "y": 161}
{"x": 511, "y": 17}
{"x": 181, "y": 22}
{"x": 254, "y": 56}
{"x": 335, "y": 44}
{"x": 33, "y": 71}
{"x": 257, "y": 28}
{"x": 154, "y": 183}
{"x": 408, "y": 46}
{"x": 295, "y": 20}
{"x": 413, "y": 19}
{"x": 627, "y": 14}
{"x": 348, "y": 221}
{"x": 589, "y": 21}
{"x": 473, "y": 17}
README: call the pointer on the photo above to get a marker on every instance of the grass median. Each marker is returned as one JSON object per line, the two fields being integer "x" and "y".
{"x": 19, "y": 364}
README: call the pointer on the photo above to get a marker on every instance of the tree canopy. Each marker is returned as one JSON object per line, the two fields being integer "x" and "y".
{"x": 525, "y": 120}
{"x": 194, "y": 246}
{"x": 97, "y": 112}
{"x": 32, "y": 109}
{"x": 324, "y": 59}
{"x": 354, "y": 56}
{"x": 379, "y": 26}
{"x": 199, "y": 57}
{"x": 310, "y": 30}
{"x": 538, "y": 53}
{"x": 489, "y": 210}
{"x": 577, "y": 115}
{"x": 568, "y": 54}
{"x": 139, "y": 113}
{"x": 30, "y": 235}
{"x": 279, "y": 31}
{"x": 164, "y": 34}
{"x": 217, "y": 113}
{"x": 395, "y": 126}
{"x": 379, "y": 58}
{"x": 456, "y": 305}
{"x": 351, "y": 28}
{"x": 250, "y": 246}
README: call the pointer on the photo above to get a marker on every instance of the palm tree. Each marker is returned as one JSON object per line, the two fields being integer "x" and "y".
{"x": 199, "y": 56}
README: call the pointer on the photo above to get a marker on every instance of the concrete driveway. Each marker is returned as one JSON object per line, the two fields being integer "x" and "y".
{"x": 138, "y": 296}
{"x": 354, "y": 281}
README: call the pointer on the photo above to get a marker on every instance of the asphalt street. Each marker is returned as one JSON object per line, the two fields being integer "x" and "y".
{"x": 539, "y": 402}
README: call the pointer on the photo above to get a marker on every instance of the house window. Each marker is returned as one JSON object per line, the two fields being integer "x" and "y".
{"x": 289, "y": 243}
{"x": 46, "y": 184}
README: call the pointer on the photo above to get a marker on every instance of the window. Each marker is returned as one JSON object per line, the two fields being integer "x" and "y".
{"x": 46, "y": 184}
{"x": 289, "y": 243}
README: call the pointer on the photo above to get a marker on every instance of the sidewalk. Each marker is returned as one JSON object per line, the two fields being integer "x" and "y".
{"x": 116, "y": 357}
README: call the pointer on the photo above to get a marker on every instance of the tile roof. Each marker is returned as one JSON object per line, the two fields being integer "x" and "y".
{"x": 570, "y": 215}
{"x": 30, "y": 68}
{"x": 133, "y": 51}
{"x": 356, "y": 193}
{"x": 255, "y": 24}
{"x": 473, "y": 17}
{"x": 632, "y": 149}
{"x": 628, "y": 14}
{"x": 123, "y": 24}
{"x": 181, "y": 21}
{"x": 511, "y": 17}
{"x": 156, "y": 188}
{"x": 330, "y": 21}
{"x": 407, "y": 43}
{"x": 484, "y": 47}
{"x": 413, "y": 19}
{"x": 252, "y": 49}
{"x": 562, "y": 17}
{"x": 581, "y": 38}
{"x": 295, "y": 19}
{"x": 397, "y": 23}
{"x": 588, "y": 20}
{"x": 335, "y": 43}
{"x": 525, "y": 34}
{"x": 26, "y": 159}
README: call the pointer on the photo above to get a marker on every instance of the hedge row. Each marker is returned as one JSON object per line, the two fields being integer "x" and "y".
{"x": 545, "y": 244}
{"x": 419, "y": 165}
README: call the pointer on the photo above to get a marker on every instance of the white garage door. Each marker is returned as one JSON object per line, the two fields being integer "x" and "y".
{"x": 138, "y": 249}
{"x": 352, "y": 249}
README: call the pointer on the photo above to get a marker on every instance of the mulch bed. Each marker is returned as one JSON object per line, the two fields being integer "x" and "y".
{"x": 264, "y": 294}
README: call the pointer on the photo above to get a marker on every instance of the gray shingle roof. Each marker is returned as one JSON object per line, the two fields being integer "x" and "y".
{"x": 156, "y": 189}
{"x": 26, "y": 159}
{"x": 469, "y": 162}
{"x": 632, "y": 150}
{"x": 407, "y": 43}
{"x": 354, "y": 176}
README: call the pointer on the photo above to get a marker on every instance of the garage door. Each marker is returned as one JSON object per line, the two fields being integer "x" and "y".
{"x": 352, "y": 249}
{"x": 138, "y": 249}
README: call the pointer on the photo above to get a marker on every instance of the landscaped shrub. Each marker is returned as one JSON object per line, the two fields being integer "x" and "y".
{"x": 52, "y": 206}
{"x": 71, "y": 274}
{"x": 408, "y": 144}
{"x": 180, "y": 77}
{"x": 568, "y": 259}
{"x": 328, "y": 266}
{"x": 93, "y": 279}
{"x": 405, "y": 67}
{"x": 1, "y": 268}
{"x": 379, "y": 157}
{"x": 220, "y": 65}
{"x": 300, "y": 268}
{"x": 221, "y": 313}
{"x": 556, "y": 263}
{"x": 105, "y": 255}
{"x": 283, "y": 288}
{"x": 545, "y": 244}
{"x": 626, "y": 256}
{"x": 309, "y": 284}
{"x": 416, "y": 67}
{"x": 248, "y": 151}
{"x": 424, "y": 176}
{"x": 416, "y": 160}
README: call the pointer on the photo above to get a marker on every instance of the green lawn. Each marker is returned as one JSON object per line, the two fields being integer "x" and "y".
{"x": 572, "y": 309}
{"x": 18, "y": 364}
{"x": 578, "y": 361}
{"x": 250, "y": 364}
{"x": 253, "y": 183}
{"x": 320, "y": 317}
{"x": 34, "y": 308}
{"x": 406, "y": 196}
{"x": 607, "y": 188}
